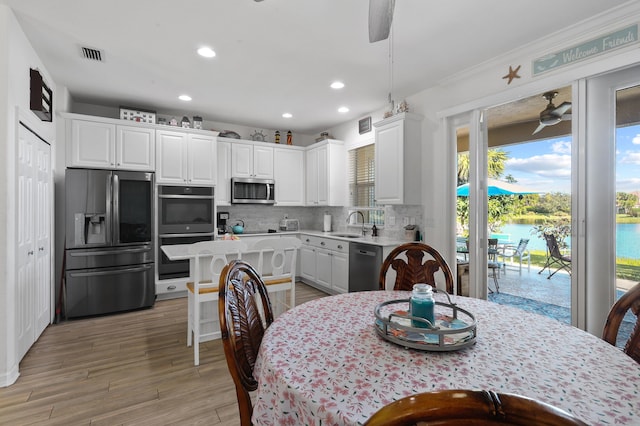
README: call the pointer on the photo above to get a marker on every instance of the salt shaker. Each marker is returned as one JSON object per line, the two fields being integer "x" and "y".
{"x": 422, "y": 305}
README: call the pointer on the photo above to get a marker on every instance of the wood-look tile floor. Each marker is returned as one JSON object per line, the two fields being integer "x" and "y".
{"x": 132, "y": 368}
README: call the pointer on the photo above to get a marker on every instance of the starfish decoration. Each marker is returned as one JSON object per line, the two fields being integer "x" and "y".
{"x": 512, "y": 74}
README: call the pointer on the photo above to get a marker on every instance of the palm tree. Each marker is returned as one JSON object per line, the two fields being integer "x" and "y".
{"x": 495, "y": 163}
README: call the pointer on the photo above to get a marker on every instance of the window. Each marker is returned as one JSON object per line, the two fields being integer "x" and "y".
{"x": 362, "y": 185}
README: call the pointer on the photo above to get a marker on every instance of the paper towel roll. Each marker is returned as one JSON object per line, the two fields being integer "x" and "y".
{"x": 327, "y": 223}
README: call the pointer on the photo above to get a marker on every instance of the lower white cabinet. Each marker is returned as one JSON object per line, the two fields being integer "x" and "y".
{"x": 324, "y": 263}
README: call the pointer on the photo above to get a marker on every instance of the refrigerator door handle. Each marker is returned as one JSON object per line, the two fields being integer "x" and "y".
{"x": 119, "y": 251}
{"x": 110, "y": 271}
{"x": 116, "y": 209}
{"x": 108, "y": 212}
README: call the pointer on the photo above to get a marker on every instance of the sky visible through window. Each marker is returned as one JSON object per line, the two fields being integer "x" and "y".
{"x": 546, "y": 165}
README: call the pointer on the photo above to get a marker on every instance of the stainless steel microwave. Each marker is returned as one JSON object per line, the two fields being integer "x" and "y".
{"x": 252, "y": 191}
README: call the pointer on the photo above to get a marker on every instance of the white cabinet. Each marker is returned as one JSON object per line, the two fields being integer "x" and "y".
{"x": 185, "y": 158}
{"x": 223, "y": 183}
{"x": 398, "y": 161}
{"x": 97, "y": 144}
{"x": 326, "y": 174}
{"x": 324, "y": 263}
{"x": 308, "y": 262}
{"x": 289, "y": 176}
{"x": 250, "y": 160}
{"x": 135, "y": 148}
{"x": 33, "y": 233}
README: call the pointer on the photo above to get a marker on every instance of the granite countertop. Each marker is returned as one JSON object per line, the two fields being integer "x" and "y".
{"x": 368, "y": 239}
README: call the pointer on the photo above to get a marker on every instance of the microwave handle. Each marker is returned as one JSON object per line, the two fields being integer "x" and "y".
{"x": 268, "y": 191}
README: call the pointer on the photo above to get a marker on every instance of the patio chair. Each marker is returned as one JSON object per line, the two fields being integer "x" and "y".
{"x": 492, "y": 248}
{"x": 554, "y": 257}
{"x": 478, "y": 407}
{"x": 520, "y": 251}
{"x": 628, "y": 301}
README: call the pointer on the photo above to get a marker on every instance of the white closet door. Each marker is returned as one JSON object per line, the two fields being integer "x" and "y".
{"x": 26, "y": 243}
{"x": 43, "y": 225}
{"x": 35, "y": 216}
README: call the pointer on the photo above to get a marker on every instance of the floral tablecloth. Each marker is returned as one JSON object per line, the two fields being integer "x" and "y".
{"x": 322, "y": 363}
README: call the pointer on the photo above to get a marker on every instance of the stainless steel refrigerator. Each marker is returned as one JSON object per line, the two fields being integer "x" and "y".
{"x": 109, "y": 261}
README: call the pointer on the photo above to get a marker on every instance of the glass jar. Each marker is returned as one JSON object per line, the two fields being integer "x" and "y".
{"x": 422, "y": 305}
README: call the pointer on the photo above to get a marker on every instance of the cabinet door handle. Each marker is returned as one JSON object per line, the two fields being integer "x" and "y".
{"x": 30, "y": 252}
{"x": 41, "y": 249}
{"x": 171, "y": 287}
{"x": 322, "y": 243}
{"x": 340, "y": 246}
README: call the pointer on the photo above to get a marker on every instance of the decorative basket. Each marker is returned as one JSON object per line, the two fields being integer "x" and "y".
{"x": 454, "y": 329}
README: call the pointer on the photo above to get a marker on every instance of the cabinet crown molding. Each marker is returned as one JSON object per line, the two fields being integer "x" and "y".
{"x": 397, "y": 117}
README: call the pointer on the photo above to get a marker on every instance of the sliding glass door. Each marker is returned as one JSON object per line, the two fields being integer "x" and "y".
{"x": 612, "y": 143}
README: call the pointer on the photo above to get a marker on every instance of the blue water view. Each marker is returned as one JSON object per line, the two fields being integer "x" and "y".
{"x": 627, "y": 238}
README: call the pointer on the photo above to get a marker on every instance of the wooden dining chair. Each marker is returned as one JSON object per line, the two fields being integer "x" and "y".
{"x": 462, "y": 407}
{"x": 628, "y": 301}
{"x": 408, "y": 261}
{"x": 245, "y": 313}
{"x": 210, "y": 257}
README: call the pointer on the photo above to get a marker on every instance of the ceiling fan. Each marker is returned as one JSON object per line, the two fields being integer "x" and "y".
{"x": 551, "y": 114}
{"x": 380, "y": 17}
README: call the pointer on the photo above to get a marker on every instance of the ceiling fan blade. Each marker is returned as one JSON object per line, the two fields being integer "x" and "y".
{"x": 380, "y": 18}
{"x": 560, "y": 110}
{"x": 566, "y": 116}
{"x": 540, "y": 127}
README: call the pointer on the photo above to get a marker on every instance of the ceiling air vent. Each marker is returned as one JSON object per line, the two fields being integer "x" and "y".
{"x": 92, "y": 54}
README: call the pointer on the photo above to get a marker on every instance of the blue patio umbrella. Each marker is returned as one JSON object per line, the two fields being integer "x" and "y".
{"x": 496, "y": 187}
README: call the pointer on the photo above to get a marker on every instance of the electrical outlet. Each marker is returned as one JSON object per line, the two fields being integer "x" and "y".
{"x": 412, "y": 220}
{"x": 405, "y": 221}
{"x": 392, "y": 221}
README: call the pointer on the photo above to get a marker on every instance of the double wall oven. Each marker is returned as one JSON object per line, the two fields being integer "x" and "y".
{"x": 186, "y": 215}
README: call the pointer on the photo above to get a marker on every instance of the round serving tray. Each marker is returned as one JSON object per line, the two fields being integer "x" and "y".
{"x": 454, "y": 328}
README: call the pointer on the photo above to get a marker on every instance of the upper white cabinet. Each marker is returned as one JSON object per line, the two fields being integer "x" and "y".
{"x": 185, "y": 158}
{"x": 135, "y": 148}
{"x": 223, "y": 184}
{"x": 398, "y": 161}
{"x": 250, "y": 160}
{"x": 326, "y": 174}
{"x": 97, "y": 144}
{"x": 289, "y": 176}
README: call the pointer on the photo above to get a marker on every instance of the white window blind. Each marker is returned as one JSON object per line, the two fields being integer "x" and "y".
{"x": 362, "y": 184}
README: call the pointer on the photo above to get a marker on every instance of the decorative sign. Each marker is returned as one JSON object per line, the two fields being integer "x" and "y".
{"x": 40, "y": 96}
{"x": 364, "y": 125}
{"x": 597, "y": 46}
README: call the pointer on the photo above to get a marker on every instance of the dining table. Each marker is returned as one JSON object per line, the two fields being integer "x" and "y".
{"x": 324, "y": 363}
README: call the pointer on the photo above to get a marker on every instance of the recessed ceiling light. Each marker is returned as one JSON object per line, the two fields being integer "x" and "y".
{"x": 184, "y": 97}
{"x": 207, "y": 52}
{"x": 337, "y": 85}
{"x": 287, "y": 115}
{"x": 343, "y": 109}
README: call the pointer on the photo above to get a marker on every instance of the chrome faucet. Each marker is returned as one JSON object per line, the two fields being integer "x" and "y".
{"x": 361, "y": 215}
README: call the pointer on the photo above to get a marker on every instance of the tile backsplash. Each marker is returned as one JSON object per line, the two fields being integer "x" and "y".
{"x": 262, "y": 218}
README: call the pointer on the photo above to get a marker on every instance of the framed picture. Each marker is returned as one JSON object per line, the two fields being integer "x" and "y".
{"x": 364, "y": 125}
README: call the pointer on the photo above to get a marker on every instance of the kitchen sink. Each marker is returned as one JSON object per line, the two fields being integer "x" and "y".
{"x": 337, "y": 234}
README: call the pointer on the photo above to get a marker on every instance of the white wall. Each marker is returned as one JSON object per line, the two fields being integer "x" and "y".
{"x": 483, "y": 86}
{"x": 16, "y": 58}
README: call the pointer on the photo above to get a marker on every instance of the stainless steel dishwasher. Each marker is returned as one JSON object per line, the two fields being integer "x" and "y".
{"x": 365, "y": 261}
